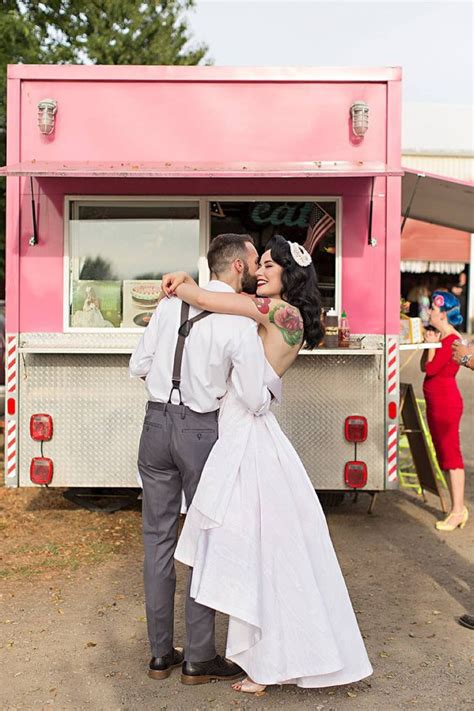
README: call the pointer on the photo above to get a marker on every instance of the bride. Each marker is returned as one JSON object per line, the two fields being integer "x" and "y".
{"x": 255, "y": 534}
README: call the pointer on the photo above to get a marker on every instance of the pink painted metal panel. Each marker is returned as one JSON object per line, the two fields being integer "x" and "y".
{"x": 392, "y": 211}
{"x": 141, "y": 73}
{"x": 201, "y": 117}
{"x": 12, "y": 224}
{"x": 392, "y": 274}
{"x": 123, "y": 169}
{"x": 220, "y": 121}
{"x": 41, "y": 266}
{"x": 363, "y": 278}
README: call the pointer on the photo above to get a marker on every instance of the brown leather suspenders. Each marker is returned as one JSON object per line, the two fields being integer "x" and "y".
{"x": 183, "y": 332}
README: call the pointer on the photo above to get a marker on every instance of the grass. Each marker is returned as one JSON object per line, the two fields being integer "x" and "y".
{"x": 41, "y": 532}
{"x": 101, "y": 550}
{"x": 56, "y": 559}
{"x": 51, "y": 548}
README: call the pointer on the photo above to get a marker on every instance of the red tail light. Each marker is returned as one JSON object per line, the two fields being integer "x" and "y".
{"x": 41, "y": 427}
{"x": 355, "y": 428}
{"x": 355, "y": 474}
{"x": 41, "y": 470}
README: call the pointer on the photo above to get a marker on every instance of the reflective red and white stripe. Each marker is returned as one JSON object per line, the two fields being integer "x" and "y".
{"x": 11, "y": 416}
{"x": 11, "y": 449}
{"x": 392, "y": 376}
{"x": 392, "y": 369}
{"x": 392, "y": 445}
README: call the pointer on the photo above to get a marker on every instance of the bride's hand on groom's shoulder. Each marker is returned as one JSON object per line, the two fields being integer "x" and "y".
{"x": 170, "y": 282}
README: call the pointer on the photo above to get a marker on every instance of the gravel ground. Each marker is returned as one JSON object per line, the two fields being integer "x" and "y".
{"x": 73, "y": 632}
{"x": 72, "y": 620}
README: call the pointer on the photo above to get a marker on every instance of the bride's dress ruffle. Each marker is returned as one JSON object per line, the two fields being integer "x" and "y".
{"x": 258, "y": 541}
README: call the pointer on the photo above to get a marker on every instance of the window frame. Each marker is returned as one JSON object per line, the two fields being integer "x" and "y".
{"x": 72, "y": 203}
{"x": 75, "y": 201}
{"x": 337, "y": 199}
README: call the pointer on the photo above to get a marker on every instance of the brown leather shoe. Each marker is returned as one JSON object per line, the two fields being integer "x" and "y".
{"x": 161, "y": 667}
{"x": 217, "y": 669}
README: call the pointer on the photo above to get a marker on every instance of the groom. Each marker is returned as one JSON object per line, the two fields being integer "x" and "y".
{"x": 186, "y": 363}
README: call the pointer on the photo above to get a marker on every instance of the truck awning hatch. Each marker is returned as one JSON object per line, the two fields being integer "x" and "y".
{"x": 171, "y": 169}
{"x": 438, "y": 200}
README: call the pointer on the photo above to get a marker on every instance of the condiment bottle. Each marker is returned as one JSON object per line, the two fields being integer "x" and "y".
{"x": 344, "y": 331}
{"x": 331, "y": 337}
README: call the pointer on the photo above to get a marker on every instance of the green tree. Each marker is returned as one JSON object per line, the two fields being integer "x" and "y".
{"x": 90, "y": 31}
{"x": 19, "y": 42}
{"x": 149, "y": 275}
{"x": 115, "y": 31}
{"x": 97, "y": 268}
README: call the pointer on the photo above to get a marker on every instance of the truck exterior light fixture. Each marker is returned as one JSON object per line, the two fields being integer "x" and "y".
{"x": 46, "y": 116}
{"x": 355, "y": 474}
{"x": 360, "y": 118}
{"x": 41, "y": 427}
{"x": 41, "y": 470}
{"x": 355, "y": 428}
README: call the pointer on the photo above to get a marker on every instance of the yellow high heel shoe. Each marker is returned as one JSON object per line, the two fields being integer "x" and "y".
{"x": 446, "y": 526}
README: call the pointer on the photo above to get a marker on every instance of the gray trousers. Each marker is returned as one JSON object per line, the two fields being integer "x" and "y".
{"x": 174, "y": 446}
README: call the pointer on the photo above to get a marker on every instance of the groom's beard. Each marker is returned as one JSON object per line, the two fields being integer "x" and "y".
{"x": 249, "y": 283}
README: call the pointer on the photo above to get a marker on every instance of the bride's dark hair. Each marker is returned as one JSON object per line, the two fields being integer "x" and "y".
{"x": 300, "y": 289}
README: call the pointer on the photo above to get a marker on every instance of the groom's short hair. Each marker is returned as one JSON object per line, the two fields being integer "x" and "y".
{"x": 224, "y": 249}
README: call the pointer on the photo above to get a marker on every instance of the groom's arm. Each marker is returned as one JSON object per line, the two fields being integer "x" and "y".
{"x": 142, "y": 358}
{"x": 248, "y": 370}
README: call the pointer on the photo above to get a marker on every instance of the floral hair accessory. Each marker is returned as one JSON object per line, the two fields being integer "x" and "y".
{"x": 300, "y": 255}
{"x": 438, "y": 301}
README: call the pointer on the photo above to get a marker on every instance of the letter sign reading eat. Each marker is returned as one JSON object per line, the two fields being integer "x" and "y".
{"x": 291, "y": 215}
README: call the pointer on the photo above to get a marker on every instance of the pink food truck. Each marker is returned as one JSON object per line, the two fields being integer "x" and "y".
{"x": 117, "y": 175}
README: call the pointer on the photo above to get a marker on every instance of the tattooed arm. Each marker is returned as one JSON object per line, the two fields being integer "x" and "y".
{"x": 285, "y": 317}
{"x": 220, "y": 302}
{"x": 183, "y": 286}
{"x": 267, "y": 312}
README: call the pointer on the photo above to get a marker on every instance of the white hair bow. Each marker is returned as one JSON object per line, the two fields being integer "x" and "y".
{"x": 300, "y": 255}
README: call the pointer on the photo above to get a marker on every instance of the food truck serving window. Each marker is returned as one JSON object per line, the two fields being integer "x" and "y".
{"x": 313, "y": 222}
{"x": 118, "y": 253}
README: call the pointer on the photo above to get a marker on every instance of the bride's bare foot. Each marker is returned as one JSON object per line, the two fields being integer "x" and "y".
{"x": 249, "y": 686}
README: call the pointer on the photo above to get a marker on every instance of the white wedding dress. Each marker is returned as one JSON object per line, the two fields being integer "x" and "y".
{"x": 259, "y": 544}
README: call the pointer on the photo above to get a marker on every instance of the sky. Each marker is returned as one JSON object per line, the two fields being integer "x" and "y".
{"x": 432, "y": 41}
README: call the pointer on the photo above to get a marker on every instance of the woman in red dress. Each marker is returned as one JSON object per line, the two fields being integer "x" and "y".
{"x": 444, "y": 403}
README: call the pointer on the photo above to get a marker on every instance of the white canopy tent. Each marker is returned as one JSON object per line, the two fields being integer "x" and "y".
{"x": 420, "y": 267}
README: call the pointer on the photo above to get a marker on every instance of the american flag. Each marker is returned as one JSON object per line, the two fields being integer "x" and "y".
{"x": 319, "y": 224}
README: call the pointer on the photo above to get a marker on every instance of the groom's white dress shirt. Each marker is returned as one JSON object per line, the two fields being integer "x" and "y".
{"x": 218, "y": 348}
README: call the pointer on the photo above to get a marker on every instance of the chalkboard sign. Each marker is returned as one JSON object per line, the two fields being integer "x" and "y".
{"x": 412, "y": 427}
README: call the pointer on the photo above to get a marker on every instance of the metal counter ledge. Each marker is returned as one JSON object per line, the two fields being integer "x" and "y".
{"x": 128, "y": 351}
